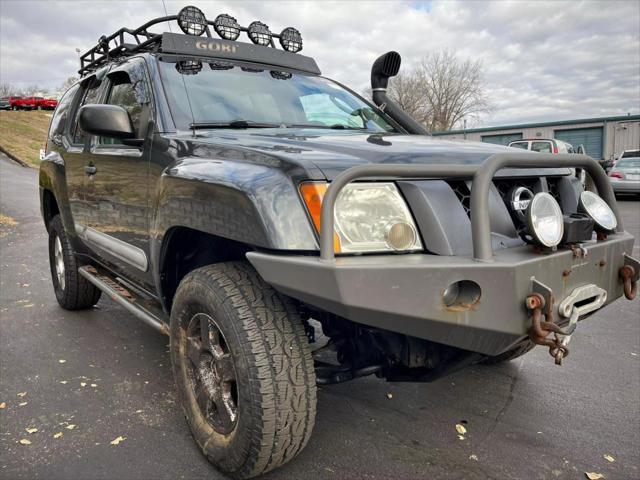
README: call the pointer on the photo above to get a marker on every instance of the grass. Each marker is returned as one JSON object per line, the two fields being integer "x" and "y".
{"x": 23, "y": 133}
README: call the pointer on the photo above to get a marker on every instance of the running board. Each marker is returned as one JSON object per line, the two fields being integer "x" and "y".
{"x": 138, "y": 306}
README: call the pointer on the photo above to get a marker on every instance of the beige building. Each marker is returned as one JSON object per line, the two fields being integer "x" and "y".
{"x": 604, "y": 137}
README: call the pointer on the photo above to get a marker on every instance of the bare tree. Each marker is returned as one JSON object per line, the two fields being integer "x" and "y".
{"x": 441, "y": 91}
{"x": 67, "y": 83}
{"x": 7, "y": 89}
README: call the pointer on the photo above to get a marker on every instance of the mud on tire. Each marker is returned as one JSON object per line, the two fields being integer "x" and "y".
{"x": 73, "y": 291}
{"x": 273, "y": 388}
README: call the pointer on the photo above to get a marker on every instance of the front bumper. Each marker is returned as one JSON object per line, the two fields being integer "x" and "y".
{"x": 403, "y": 293}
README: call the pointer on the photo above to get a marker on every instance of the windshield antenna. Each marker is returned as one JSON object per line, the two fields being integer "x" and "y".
{"x": 186, "y": 91}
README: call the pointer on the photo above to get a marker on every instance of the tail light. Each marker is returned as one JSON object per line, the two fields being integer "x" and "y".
{"x": 555, "y": 149}
{"x": 616, "y": 174}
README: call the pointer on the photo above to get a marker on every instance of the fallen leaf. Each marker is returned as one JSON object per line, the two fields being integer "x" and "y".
{"x": 28, "y": 306}
{"x": 389, "y": 396}
{"x": 634, "y": 354}
{"x": 24, "y": 441}
{"x": 473, "y": 457}
{"x": 24, "y": 285}
{"x": 31, "y": 430}
{"x": 609, "y": 458}
{"x": 22, "y": 404}
{"x": 460, "y": 437}
{"x": 593, "y": 475}
{"x": 70, "y": 427}
{"x": 64, "y": 382}
{"x": 94, "y": 385}
{"x": 3, "y": 405}
{"x": 138, "y": 411}
{"x": 83, "y": 384}
{"x": 116, "y": 441}
{"x": 22, "y": 394}
{"x": 460, "y": 429}
{"x": 57, "y": 435}
{"x": 62, "y": 360}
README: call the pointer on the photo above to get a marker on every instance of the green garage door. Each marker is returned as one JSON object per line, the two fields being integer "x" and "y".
{"x": 502, "y": 139}
{"x": 590, "y": 138}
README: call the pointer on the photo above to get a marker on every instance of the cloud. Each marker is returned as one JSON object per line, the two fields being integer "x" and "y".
{"x": 543, "y": 60}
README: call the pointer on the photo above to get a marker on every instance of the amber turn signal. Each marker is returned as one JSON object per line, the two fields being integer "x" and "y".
{"x": 312, "y": 195}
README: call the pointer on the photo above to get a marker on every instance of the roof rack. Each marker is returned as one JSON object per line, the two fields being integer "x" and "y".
{"x": 193, "y": 23}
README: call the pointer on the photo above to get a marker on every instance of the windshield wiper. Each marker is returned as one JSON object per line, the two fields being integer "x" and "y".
{"x": 336, "y": 126}
{"x": 240, "y": 123}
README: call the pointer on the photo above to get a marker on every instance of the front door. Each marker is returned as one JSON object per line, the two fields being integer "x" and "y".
{"x": 117, "y": 192}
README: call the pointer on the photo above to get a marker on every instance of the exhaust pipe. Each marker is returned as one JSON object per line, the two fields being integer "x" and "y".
{"x": 386, "y": 66}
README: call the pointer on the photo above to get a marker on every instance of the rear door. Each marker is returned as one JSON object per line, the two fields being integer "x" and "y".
{"x": 117, "y": 226}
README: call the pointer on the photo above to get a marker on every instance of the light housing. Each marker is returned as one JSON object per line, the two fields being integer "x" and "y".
{"x": 598, "y": 210}
{"x": 192, "y": 21}
{"x": 226, "y": 26}
{"x": 544, "y": 219}
{"x": 368, "y": 217}
{"x": 259, "y": 33}
{"x": 189, "y": 67}
{"x": 291, "y": 40}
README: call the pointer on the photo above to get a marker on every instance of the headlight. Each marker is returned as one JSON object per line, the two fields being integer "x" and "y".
{"x": 597, "y": 208}
{"x": 544, "y": 219}
{"x": 369, "y": 217}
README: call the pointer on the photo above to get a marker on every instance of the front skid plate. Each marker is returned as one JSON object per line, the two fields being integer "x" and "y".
{"x": 403, "y": 293}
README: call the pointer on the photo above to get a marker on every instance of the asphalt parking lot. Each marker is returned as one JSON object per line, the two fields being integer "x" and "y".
{"x": 98, "y": 375}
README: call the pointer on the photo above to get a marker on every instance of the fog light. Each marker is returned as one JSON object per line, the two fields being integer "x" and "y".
{"x": 544, "y": 219}
{"x": 597, "y": 208}
{"x": 400, "y": 236}
{"x": 461, "y": 295}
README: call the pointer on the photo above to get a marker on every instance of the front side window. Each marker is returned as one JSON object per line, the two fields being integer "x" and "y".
{"x": 91, "y": 96}
{"x": 60, "y": 116}
{"x": 123, "y": 93}
{"x": 221, "y": 92}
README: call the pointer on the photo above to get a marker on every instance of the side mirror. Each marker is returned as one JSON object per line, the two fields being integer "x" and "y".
{"x": 580, "y": 149}
{"x": 106, "y": 121}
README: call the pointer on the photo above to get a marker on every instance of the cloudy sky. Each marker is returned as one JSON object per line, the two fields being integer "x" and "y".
{"x": 543, "y": 61}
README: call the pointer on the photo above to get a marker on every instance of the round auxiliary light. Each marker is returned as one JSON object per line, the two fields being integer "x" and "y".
{"x": 226, "y": 26}
{"x": 544, "y": 219}
{"x": 291, "y": 40}
{"x": 400, "y": 235}
{"x": 259, "y": 33}
{"x": 189, "y": 67}
{"x": 192, "y": 21}
{"x": 597, "y": 208}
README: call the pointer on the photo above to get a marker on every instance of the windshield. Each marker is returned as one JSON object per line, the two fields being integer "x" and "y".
{"x": 222, "y": 93}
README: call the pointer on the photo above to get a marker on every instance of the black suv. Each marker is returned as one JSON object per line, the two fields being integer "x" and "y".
{"x": 230, "y": 196}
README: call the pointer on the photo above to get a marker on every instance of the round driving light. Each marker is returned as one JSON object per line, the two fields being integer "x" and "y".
{"x": 189, "y": 67}
{"x": 192, "y": 21}
{"x": 291, "y": 40}
{"x": 259, "y": 33}
{"x": 226, "y": 26}
{"x": 400, "y": 236}
{"x": 597, "y": 208}
{"x": 544, "y": 219}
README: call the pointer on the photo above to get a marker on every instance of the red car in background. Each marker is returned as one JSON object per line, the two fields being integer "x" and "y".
{"x": 32, "y": 103}
{"x": 9, "y": 103}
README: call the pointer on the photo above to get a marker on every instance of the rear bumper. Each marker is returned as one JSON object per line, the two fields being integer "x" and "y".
{"x": 625, "y": 186}
{"x": 403, "y": 293}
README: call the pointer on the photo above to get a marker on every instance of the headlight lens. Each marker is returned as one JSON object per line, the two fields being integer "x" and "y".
{"x": 369, "y": 217}
{"x": 373, "y": 217}
{"x": 597, "y": 208}
{"x": 544, "y": 218}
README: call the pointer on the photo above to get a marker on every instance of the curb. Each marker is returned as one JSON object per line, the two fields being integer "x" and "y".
{"x": 15, "y": 159}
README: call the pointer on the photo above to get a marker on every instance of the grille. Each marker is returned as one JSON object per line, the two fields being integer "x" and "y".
{"x": 463, "y": 193}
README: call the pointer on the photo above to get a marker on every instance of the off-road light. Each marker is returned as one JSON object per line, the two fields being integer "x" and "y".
{"x": 281, "y": 75}
{"x": 189, "y": 67}
{"x": 291, "y": 40}
{"x": 544, "y": 219}
{"x": 259, "y": 33}
{"x": 226, "y": 26}
{"x": 597, "y": 208}
{"x": 192, "y": 21}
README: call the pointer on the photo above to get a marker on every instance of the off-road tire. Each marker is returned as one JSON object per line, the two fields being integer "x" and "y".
{"x": 512, "y": 354}
{"x": 275, "y": 378}
{"x": 77, "y": 293}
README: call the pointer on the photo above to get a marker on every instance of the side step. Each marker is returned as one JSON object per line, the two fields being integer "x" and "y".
{"x": 142, "y": 308}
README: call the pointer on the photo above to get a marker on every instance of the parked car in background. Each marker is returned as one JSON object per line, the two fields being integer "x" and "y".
{"x": 630, "y": 153}
{"x": 46, "y": 104}
{"x": 9, "y": 103}
{"x": 543, "y": 145}
{"x": 625, "y": 175}
{"x": 27, "y": 103}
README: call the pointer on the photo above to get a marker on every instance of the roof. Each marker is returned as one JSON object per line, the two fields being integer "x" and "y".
{"x": 521, "y": 126}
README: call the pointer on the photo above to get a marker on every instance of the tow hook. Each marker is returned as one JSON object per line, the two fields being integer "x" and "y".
{"x": 629, "y": 281}
{"x": 540, "y": 329}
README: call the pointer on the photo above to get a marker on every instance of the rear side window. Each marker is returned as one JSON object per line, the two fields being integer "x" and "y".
{"x": 91, "y": 96}
{"x": 522, "y": 145}
{"x": 60, "y": 116}
{"x": 543, "y": 147}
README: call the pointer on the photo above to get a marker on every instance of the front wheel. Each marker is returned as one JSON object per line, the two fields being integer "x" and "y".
{"x": 243, "y": 369}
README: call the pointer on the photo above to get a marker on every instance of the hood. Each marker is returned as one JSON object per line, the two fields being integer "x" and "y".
{"x": 333, "y": 151}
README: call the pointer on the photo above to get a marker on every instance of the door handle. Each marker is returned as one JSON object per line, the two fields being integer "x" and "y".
{"x": 90, "y": 170}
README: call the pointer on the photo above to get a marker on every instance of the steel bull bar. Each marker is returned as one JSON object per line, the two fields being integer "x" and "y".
{"x": 481, "y": 230}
